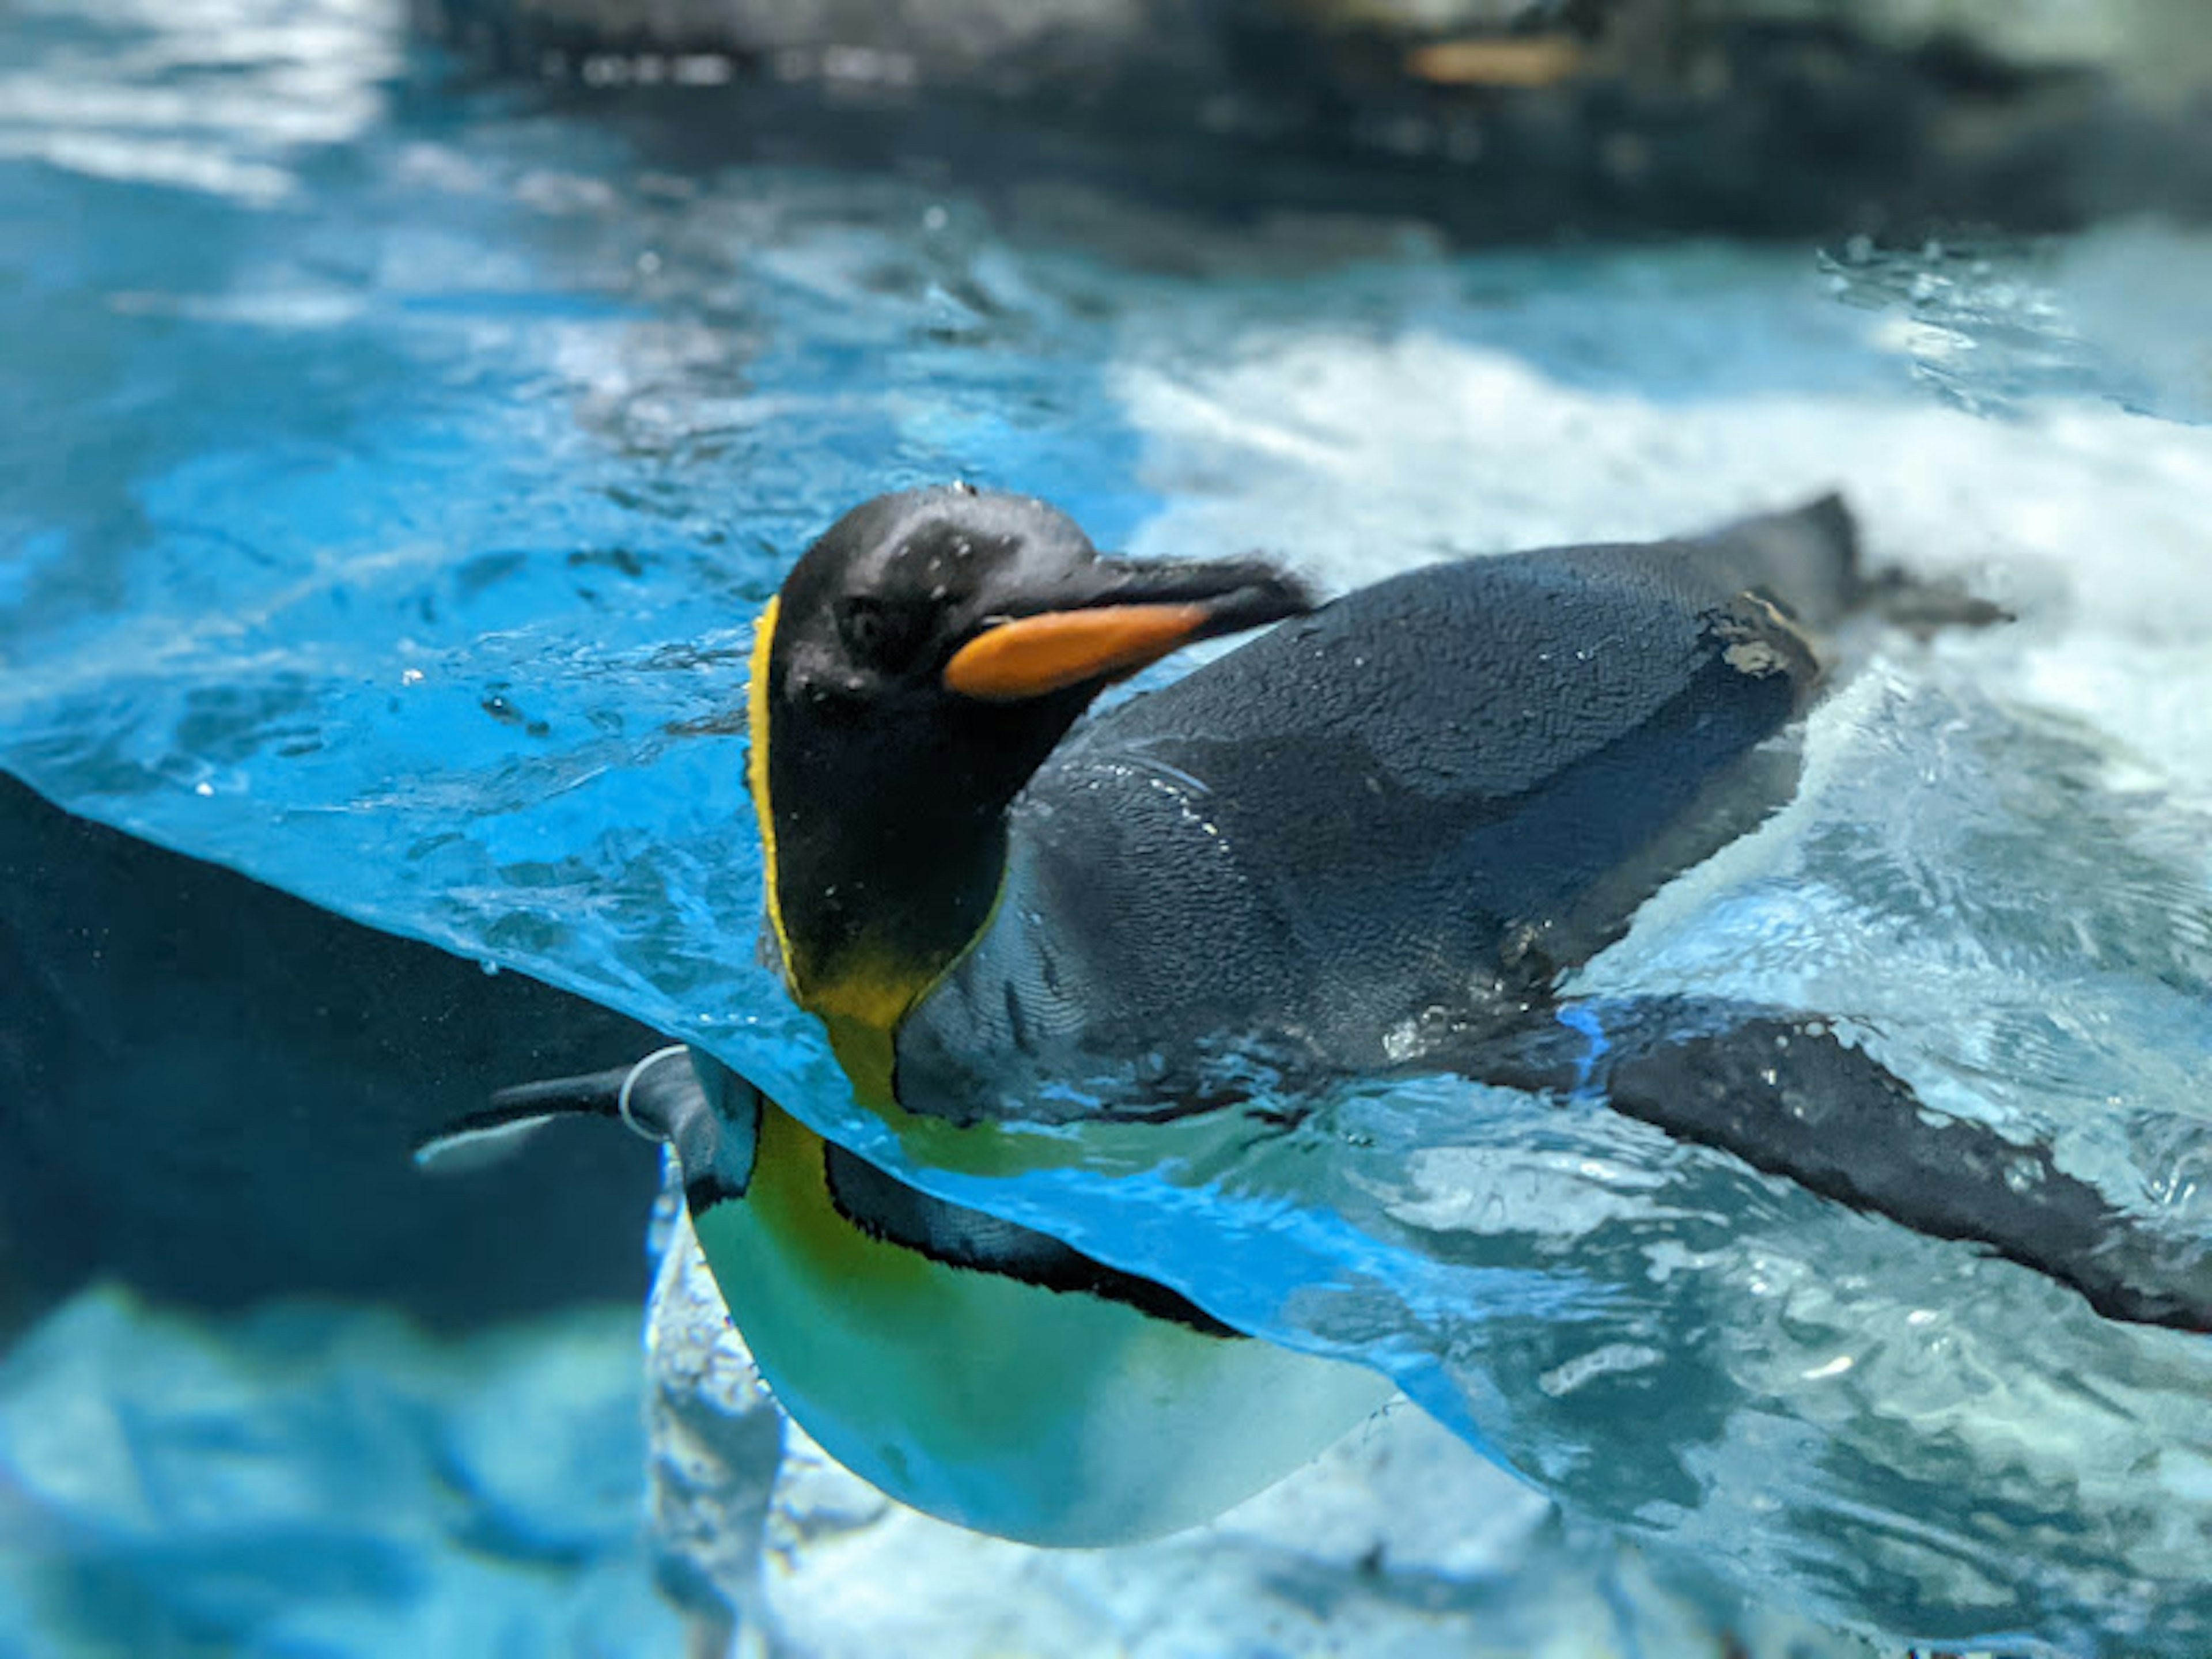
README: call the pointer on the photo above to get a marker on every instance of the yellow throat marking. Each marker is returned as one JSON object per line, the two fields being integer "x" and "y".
{"x": 757, "y": 770}
{"x": 863, "y": 1006}
{"x": 790, "y": 1198}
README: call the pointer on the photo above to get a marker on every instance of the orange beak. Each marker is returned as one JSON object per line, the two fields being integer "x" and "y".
{"x": 1035, "y": 656}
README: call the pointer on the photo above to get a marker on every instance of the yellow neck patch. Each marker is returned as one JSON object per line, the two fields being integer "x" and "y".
{"x": 790, "y": 1196}
{"x": 862, "y": 1006}
{"x": 757, "y": 771}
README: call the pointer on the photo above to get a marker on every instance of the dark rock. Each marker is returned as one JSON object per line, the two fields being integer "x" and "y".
{"x": 209, "y": 1090}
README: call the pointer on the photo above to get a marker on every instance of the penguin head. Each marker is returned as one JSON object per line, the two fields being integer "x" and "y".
{"x": 949, "y": 608}
{"x": 922, "y": 659}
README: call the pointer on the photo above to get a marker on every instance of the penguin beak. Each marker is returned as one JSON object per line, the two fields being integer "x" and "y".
{"x": 1108, "y": 620}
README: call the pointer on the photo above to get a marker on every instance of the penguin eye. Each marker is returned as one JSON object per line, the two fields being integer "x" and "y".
{"x": 880, "y": 632}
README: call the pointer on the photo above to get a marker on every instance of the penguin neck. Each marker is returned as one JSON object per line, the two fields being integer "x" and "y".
{"x": 872, "y": 916}
{"x": 873, "y": 890}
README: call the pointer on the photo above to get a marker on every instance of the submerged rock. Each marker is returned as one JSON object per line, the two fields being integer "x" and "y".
{"x": 324, "y": 1479}
{"x": 717, "y": 1440}
{"x": 210, "y": 1089}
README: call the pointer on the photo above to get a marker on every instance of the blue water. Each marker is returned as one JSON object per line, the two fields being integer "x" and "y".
{"x": 392, "y": 472}
{"x": 323, "y": 1480}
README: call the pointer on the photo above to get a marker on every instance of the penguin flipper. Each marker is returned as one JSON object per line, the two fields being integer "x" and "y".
{"x": 1811, "y": 560}
{"x": 1787, "y": 1095}
{"x": 484, "y": 1139}
{"x": 650, "y": 1098}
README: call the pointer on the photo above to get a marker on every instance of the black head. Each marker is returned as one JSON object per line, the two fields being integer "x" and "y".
{"x": 922, "y": 660}
{"x": 883, "y": 609}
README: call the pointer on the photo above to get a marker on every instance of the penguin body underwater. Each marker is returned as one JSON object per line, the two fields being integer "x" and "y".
{"x": 1370, "y": 840}
{"x": 974, "y": 1369}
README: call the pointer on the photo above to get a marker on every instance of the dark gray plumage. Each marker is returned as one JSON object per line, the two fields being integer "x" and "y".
{"x": 1430, "y": 795}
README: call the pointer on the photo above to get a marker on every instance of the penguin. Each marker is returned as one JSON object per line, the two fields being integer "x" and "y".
{"x": 1372, "y": 840}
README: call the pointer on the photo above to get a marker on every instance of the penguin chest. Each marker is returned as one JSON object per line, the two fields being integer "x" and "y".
{"x": 1045, "y": 1413}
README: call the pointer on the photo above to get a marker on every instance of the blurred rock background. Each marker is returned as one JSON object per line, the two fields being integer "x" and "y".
{"x": 1495, "y": 118}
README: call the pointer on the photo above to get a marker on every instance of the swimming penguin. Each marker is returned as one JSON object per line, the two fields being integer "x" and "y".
{"x": 1371, "y": 840}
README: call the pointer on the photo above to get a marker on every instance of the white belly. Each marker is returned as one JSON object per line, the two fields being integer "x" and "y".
{"x": 1053, "y": 1417}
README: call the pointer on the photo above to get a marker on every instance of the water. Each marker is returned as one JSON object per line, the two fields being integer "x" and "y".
{"x": 324, "y": 1480}
{"x": 393, "y": 471}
